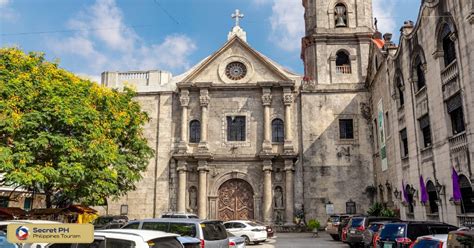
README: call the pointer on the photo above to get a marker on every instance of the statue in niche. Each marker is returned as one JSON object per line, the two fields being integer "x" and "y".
{"x": 192, "y": 198}
{"x": 279, "y": 217}
{"x": 278, "y": 197}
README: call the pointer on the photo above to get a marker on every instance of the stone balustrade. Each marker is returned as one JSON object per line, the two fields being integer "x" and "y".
{"x": 134, "y": 75}
{"x": 458, "y": 142}
{"x": 450, "y": 72}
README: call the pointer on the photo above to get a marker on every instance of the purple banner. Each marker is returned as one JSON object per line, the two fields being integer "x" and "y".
{"x": 424, "y": 193}
{"x": 456, "y": 188}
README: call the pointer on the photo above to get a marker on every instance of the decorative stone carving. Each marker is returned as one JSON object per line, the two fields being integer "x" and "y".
{"x": 192, "y": 197}
{"x": 278, "y": 197}
{"x": 288, "y": 99}
{"x": 309, "y": 84}
{"x": 184, "y": 98}
{"x": 204, "y": 100}
{"x": 267, "y": 99}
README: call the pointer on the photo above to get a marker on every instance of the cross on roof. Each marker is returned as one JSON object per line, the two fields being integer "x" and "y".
{"x": 236, "y": 16}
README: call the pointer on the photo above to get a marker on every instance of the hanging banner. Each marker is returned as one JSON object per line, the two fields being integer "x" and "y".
{"x": 381, "y": 128}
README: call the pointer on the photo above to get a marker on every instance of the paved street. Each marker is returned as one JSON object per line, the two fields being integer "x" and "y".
{"x": 300, "y": 240}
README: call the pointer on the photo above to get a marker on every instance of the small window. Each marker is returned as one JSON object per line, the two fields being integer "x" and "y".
{"x": 194, "y": 131}
{"x": 278, "y": 130}
{"x": 425, "y": 130}
{"x": 467, "y": 196}
{"x": 400, "y": 91}
{"x": 351, "y": 207}
{"x": 432, "y": 197}
{"x": 343, "y": 63}
{"x": 449, "y": 49}
{"x": 387, "y": 123}
{"x": 404, "y": 143}
{"x": 28, "y": 203}
{"x": 4, "y": 201}
{"x": 183, "y": 229}
{"x": 420, "y": 74}
{"x": 376, "y": 134}
{"x": 346, "y": 129}
{"x": 236, "y": 128}
{"x": 455, "y": 111}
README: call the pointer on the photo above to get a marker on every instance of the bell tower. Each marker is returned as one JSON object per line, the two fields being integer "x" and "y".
{"x": 335, "y": 49}
{"x": 335, "y": 125}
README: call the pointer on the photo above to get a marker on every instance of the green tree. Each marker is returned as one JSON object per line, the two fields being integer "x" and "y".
{"x": 66, "y": 137}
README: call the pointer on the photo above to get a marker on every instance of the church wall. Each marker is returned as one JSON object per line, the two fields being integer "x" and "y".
{"x": 335, "y": 170}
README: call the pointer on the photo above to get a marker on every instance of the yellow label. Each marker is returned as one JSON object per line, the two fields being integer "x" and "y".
{"x": 50, "y": 233}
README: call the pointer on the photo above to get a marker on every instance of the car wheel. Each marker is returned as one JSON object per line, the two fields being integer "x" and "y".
{"x": 247, "y": 240}
{"x": 335, "y": 237}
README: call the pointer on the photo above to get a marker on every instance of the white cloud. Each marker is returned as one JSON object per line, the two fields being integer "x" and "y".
{"x": 287, "y": 24}
{"x": 105, "y": 42}
{"x": 382, "y": 10}
{"x": 7, "y": 13}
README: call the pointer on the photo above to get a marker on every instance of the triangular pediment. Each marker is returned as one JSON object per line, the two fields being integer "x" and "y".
{"x": 256, "y": 67}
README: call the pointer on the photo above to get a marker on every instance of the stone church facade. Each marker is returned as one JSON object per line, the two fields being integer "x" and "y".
{"x": 240, "y": 137}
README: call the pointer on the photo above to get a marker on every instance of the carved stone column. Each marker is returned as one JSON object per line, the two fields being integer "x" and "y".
{"x": 184, "y": 99}
{"x": 267, "y": 191}
{"x": 202, "y": 200}
{"x": 182, "y": 178}
{"x": 289, "y": 189}
{"x": 266, "y": 101}
{"x": 288, "y": 102}
{"x": 204, "y": 100}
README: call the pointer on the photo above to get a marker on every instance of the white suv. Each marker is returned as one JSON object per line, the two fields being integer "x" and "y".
{"x": 113, "y": 238}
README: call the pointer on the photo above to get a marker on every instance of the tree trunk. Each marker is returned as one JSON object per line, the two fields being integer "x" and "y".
{"x": 48, "y": 199}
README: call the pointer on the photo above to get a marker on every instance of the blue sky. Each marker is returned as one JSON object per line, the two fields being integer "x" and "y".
{"x": 91, "y": 36}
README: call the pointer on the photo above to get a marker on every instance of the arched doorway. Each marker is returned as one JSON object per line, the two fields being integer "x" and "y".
{"x": 235, "y": 200}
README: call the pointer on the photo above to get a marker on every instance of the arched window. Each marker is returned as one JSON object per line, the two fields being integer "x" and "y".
{"x": 432, "y": 197}
{"x": 194, "y": 131}
{"x": 449, "y": 49}
{"x": 467, "y": 206}
{"x": 340, "y": 14}
{"x": 278, "y": 130}
{"x": 419, "y": 73}
{"x": 409, "y": 192}
{"x": 343, "y": 63}
{"x": 400, "y": 92}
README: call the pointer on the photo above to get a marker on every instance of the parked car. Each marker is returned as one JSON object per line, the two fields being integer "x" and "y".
{"x": 461, "y": 238}
{"x": 270, "y": 230}
{"x": 431, "y": 241}
{"x": 189, "y": 242}
{"x": 180, "y": 215}
{"x": 371, "y": 233}
{"x": 251, "y": 231}
{"x": 333, "y": 223}
{"x": 235, "y": 241}
{"x": 403, "y": 234}
{"x": 212, "y": 233}
{"x": 343, "y": 229}
{"x": 110, "y": 222}
{"x": 357, "y": 225}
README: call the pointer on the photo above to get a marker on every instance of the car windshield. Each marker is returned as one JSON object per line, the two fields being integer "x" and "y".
{"x": 356, "y": 222}
{"x": 392, "y": 231}
{"x": 334, "y": 219}
{"x": 374, "y": 227}
{"x": 427, "y": 243}
{"x": 213, "y": 231}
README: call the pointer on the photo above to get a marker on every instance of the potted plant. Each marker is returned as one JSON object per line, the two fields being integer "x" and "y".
{"x": 314, "y": 226}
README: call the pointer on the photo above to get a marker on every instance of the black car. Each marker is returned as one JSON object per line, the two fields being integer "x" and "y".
{"x": 403, "y": 234}
{"x": 357, "y": 226}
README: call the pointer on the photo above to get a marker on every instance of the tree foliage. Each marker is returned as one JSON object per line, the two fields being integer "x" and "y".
{"x": 66, "y": 137}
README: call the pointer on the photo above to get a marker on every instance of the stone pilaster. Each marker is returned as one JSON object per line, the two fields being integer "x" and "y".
{"x": 266, "y": 101}
{"x": 204, "y": 101}
{"x": 202, "y": 200}
{"x": 288, "y": 102}
{"x": 182, "y": 178}
{"x": 289, "y": 190}
{"x": 267, "y": 191}
{"x": 184, "y": 99}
